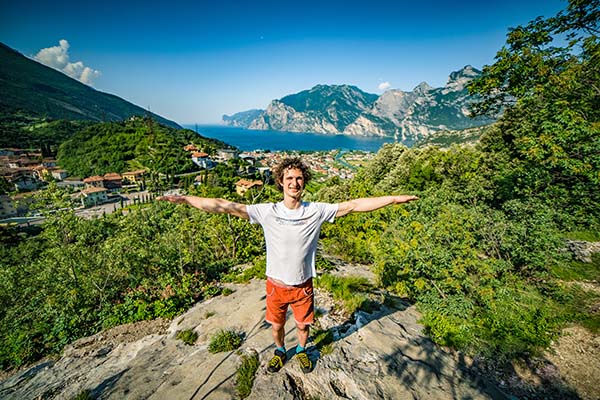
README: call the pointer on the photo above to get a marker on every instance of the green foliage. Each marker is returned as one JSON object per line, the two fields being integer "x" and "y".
{"x": 350, "y": 290}
{"x": 245, "y": 375}
{"x": 578, "y": 271}
{"x": 188, "y": 336}
{"x": 551, "y": 125}
{"x": 134, "y": 144}
{"x": 485, "y": 236}
{"x": 78, "y": 276}
{"x": 588, "y": 235}
{"x": 28, "y": 132}
{"x": 323, "y": 340}
{"x": 256, "y": 271}
{"x": 84, "y": 395}
{"x": 224, "y": 341}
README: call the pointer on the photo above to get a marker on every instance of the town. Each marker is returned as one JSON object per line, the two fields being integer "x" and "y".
{"x": 24, "y": 172}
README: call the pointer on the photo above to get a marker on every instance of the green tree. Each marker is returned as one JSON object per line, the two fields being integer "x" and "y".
{"x": 547, "y": 80}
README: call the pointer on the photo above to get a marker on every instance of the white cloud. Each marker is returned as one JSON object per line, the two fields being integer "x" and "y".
{"x": 384, "y": 86}
{"x": 57, "y": 57}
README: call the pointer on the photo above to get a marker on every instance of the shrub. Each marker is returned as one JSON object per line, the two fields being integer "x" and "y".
{"x": 323, "y": 341}
{"x": 246, "y": 373}
{"x": 224, "y": 341}
{"x": 350, "y": 290}
{"x": 188, "y": 336}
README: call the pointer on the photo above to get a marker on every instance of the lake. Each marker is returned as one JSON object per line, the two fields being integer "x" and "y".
{"x": 248, "y": 140}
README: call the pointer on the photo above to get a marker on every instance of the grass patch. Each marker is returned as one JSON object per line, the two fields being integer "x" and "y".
{"x": 578, "y": 271}
{"x": 245, "y": 375}
{"x": 224, "y": 341}
{"x": 578, "y": 305}
{"x": 256, "y": 271}
{"x": 188, "y": 336}
{"x": 588, "y": 236}
{"x": 350, "y": 290}
{"x": 323, "y": 264}
{"x": 209, "y": 314}
{"x": 323, "y": 341}
{"x": 226, "y": 291}
{"x": 84, "y": 395}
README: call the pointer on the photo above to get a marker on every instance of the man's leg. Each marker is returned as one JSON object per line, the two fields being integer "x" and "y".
{"x": 278, "y": 331}
{"x": 303, "y": 331}
{"x": 303, "y": 309}
{"x": 276, "y": 310}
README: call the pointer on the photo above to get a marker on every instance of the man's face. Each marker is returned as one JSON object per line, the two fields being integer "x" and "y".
{"x": 293, "y": 183}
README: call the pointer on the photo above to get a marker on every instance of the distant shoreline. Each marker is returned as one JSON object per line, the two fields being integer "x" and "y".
{"x": 250, "y": 140}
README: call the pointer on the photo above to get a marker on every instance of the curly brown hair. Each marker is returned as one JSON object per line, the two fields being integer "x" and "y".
{"x": 290, "y": 163}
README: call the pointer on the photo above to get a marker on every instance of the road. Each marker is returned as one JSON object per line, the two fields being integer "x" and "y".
{"x": 109, "y": 208}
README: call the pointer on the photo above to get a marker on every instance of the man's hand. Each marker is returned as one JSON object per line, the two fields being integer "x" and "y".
{"x": 404, "y": 199}
{"x": 173, "y": 199}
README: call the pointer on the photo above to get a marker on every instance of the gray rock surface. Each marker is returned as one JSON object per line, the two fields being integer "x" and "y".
{"x": 582, "y": 250}
{"x": 378, "y": 355}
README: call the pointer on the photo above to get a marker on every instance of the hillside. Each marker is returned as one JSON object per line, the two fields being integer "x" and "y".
{"x": 139, "y": 143}
{"x": 29, "y": 88}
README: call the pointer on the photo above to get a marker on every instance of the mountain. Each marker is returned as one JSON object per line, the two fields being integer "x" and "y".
{"x": 322, "y": 109}
{"x": 30, "y": 88}
{"x": 343, "y": 109}
{"x": 243, "y": 118}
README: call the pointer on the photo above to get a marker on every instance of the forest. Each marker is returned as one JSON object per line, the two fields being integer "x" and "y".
{"x": 481, "y": 253}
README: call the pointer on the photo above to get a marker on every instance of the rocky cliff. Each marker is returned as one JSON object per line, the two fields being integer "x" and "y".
{"x": 343, "y": 109}
{"x": 377, "y": 354}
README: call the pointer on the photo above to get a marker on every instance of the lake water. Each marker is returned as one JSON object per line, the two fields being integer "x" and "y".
{"x": 248, "y": 140}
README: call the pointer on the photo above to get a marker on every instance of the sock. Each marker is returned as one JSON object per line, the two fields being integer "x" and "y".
{"x": 281, "y": 349}
{"x": 299, "y": 349}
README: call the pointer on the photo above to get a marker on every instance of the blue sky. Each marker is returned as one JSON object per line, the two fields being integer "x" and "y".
{"x": 192, "y": 61}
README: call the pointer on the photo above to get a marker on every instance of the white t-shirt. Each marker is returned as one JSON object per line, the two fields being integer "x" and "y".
{"x": 291, "y": 237}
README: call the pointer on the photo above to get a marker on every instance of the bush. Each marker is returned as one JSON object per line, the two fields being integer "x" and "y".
{"x": 246, "y": 373}
{"x": 323, "y": 341}
{"x": 225, "y": 341}
{"x": 350, "y": 290}
{"x": 188, "y": 336}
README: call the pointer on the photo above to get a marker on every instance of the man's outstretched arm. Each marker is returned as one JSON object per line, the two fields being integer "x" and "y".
{"x": 371, "y": 203}
{"x": 218, "y": 206}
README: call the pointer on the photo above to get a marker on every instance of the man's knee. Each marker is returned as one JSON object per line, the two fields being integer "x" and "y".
{"x": 276, "y": 327}
{"x": 302, "y": 327}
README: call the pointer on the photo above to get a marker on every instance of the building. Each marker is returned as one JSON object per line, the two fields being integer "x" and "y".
{"x": 134, "y": 177}
{"x": 243, "y": 185}
{"x": 227, "y": 154}
{"x": 110, "y": 181}
{"x": 93, "y": 196}
{"x": 190, "y": 147}
{"x": 59, "y": 174}
{"x": 113, "y": 182}
{"x": 94, "y": 181}
{"x": 202, "y": 160}
{"x": 23, "y": 179}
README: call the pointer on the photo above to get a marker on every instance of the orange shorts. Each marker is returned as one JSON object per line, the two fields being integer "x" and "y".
{"x": 299, "y": 297}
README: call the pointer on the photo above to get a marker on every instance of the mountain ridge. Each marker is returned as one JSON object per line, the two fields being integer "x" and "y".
{"x": 345, "y": 109}
{"x": 31, "y": 88}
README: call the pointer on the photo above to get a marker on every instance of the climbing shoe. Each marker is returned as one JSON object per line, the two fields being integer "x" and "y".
{"x": 277, "y": 361}
{"x": 305, "y": 363}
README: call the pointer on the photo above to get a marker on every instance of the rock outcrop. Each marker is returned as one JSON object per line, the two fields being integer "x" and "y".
{"x": 382, "y": 354}
{"x": 582, "y": 250}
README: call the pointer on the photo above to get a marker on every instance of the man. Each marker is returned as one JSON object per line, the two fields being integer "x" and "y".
{"x": 291, "y": 228}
